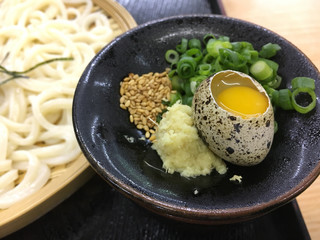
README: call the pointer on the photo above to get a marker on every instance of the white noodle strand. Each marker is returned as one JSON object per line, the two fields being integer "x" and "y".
{"x": 36, "y": 132}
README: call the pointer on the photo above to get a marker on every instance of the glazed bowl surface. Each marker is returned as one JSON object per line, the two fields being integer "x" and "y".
{"x": 135, "y": 169}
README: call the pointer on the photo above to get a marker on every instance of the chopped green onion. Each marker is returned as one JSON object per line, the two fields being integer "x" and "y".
{"x": 269, "y": 50}
{"x": 217, "y": 66}
{"x": 244, "y": 69}
{"x": 298, "y": 107}
{"x": 236, "y": 46}
{"x": 303, "y": 82}
{"x": 231, "y": 59}
{"x": 195, "y": 82}
{"x": 224, "y": 39}
{"x": 269, "y": 90}
{"x": 182, "y": 47}
{"x": 177, "y": 83}
{"x": 213, "y": 46}
{"x": 174, "y": 66}
{"x": 285, "y": 96}
{"x": 261, "y": 70}
{"x": 194, "y": 43}
{"x": 247, "y": 45}
{"x": 172, "y": 56}
{"x": 193, "y": 86}
{"x": 159, "y": 116}
{"x": 275, "y": 83}
{"x": 186, "y": 67}
{"x": 205, "y": 69}
{"x": 187, "y": 100}
{"x": 174, "y": 97}
{"x": 193, "y": 61}
{"x": 172, "y": 73}
{"x": 195, "y": 53}
{"x": 207, "y": 37}
{"x": 271, "y": 64}
{"x": 275, "y": 97}
{"x": 187, "y": 89}
{"x": 251, "y": 56}
{"x": 208, "y": 58}
{"x": 204, "y": 52}
{"x": 165, "y": 102}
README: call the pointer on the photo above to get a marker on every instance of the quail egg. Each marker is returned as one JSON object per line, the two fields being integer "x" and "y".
{"x": 234, "y": 116}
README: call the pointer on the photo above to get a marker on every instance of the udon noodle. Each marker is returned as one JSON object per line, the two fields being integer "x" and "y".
{"x": 36, "y": 132}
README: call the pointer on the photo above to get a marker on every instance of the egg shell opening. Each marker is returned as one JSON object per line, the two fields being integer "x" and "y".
{"x": 244, "y": 142}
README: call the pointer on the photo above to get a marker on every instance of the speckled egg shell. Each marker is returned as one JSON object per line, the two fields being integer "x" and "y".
{"x": 244, "y": 142}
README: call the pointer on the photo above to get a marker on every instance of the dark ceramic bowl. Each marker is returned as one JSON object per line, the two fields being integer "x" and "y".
{"x": 102, "y": 128}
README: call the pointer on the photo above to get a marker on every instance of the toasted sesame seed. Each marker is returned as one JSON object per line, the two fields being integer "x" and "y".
{"x": 142, "y": 97}
{"x": 147, "y": 134}
{"x": 127, "y": 104}
{"x": 152, "y": 138}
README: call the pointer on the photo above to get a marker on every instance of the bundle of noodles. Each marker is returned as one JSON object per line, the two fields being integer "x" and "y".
{"x": 36, "y": 132}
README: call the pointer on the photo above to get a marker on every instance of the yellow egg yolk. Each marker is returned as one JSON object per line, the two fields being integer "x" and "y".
{"x": 243, "y": 101}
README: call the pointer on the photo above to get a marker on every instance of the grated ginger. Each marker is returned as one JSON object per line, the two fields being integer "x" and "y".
{"x": 180, "y": 147}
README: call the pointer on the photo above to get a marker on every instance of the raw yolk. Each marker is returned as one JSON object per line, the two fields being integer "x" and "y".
{"x": 243, "y": 101}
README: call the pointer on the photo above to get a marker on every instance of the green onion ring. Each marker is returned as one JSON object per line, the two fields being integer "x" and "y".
{"x": 205, "y": 69}
{"x": 208, "y": 58}
{"x": 303, "y": 82}
{"x": 182, "y": 47}
{"x": 207, "y": 37}
{"x": 172, "y": 56}
{"x": 275, "y": 83}
{"x": 186, "y": 67}
{"x": 300, "y": 108}
{"x": 261, "y": 70}
{"x": 195, "y": 53}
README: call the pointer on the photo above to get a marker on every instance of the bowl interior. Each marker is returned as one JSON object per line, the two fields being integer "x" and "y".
{"x": 103, "y": 128}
